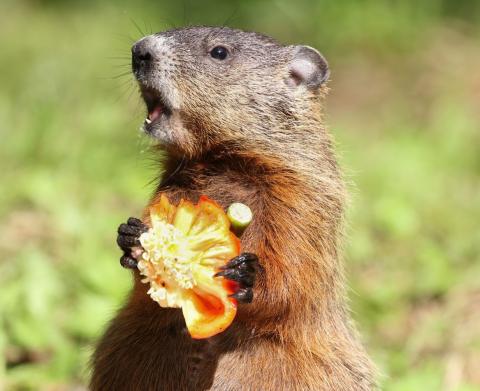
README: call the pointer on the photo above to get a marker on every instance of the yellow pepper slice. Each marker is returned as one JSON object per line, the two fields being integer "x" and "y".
{"x": 185, "y": 246}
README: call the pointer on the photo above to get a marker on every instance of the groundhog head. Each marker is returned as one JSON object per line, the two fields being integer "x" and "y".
{"x": 207, "y": 88}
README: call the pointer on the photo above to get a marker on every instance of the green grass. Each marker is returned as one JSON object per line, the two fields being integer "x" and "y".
{"x": 403, "y": 108}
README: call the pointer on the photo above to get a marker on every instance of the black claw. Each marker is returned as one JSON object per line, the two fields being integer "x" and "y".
{"x": 132, "y": 230}
{"x": 243, "y": 258}
{"x": 127, "y": 242}
{"x": 128, "y": 262}
{"x": 242, "y": 277}
{"x": 243, "y": 268}
{"x": 137, "y": 223}
{"x": 243, "y": 295}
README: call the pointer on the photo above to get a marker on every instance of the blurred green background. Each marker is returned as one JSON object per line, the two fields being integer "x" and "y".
{"x": 404, "y": 108}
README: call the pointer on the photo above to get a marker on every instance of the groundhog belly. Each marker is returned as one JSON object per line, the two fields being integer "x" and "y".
{"x": 150, "y": 349}
{"x": 260, "y": 364}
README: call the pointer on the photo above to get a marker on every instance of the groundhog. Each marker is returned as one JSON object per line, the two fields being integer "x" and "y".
{"x": 239, "y": 118}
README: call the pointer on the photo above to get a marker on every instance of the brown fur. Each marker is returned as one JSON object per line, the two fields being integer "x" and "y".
{"x": 273, "y": 154}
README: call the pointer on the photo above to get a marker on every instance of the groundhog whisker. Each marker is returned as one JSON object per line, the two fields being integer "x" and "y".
{"x": 123, "y": 74}
{"x": 137, "y": 26}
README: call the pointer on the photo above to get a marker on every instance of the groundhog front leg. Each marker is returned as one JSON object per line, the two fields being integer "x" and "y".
{"x": 243, "y": 270}
{"x": 128, "y": 241}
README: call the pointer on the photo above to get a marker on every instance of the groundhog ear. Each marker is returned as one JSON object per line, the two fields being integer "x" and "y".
{"x": 308, "y": 67}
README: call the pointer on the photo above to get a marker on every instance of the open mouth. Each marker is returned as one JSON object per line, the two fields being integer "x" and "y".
{"x": 157, "y": 108}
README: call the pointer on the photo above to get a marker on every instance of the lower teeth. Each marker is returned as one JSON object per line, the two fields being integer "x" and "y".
{"x": 148, "y": 121}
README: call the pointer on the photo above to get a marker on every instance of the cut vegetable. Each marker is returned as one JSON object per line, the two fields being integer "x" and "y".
{"x": 185, "y": 246}
{"x": 240, "y": 216}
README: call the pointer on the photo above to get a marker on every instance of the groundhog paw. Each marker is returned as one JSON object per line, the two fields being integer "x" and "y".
{"x": 128, "y": 241}
{"x": 243, "y": 270}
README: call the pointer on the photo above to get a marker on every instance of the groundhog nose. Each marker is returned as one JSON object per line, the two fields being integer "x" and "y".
{"x": 141, "y": 55}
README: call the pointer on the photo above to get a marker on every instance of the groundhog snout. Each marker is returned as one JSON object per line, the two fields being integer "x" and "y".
{"x": 142, "y": 55}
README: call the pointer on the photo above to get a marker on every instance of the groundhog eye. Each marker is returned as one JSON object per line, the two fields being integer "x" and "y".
{"x": 219, "y": 52}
